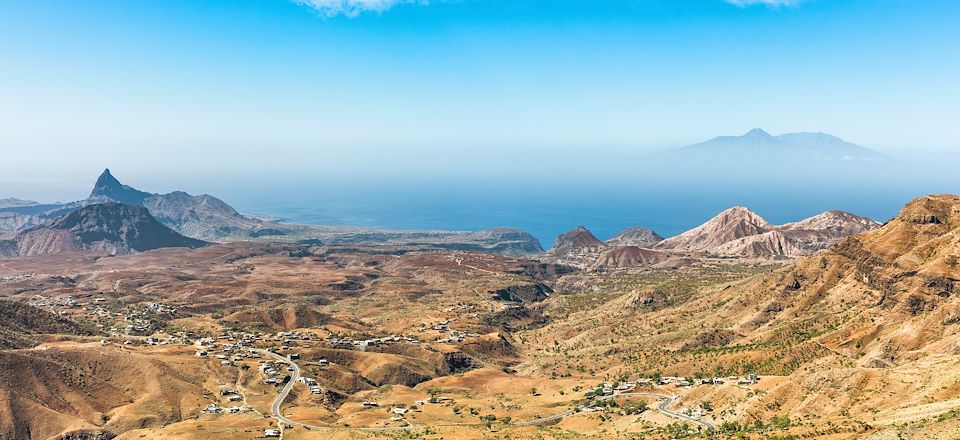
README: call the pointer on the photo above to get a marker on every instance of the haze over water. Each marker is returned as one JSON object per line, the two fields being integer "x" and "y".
{"x": 548, "y": 210}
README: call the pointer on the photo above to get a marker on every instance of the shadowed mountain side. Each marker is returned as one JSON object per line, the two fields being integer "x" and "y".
{"x": 111, "y": 228}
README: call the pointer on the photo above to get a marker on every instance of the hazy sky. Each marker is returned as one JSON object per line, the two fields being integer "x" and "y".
{"x": 159, "y": 90}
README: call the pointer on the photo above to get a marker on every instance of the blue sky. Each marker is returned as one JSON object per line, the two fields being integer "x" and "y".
{"x": 168, "y": 89}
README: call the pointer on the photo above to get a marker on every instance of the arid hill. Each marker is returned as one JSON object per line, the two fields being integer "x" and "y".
{"x": 22, "y": 323}
{"x": 640, "y": 237}
{"x": 767, "y": 244}
{"x": 111, "y": 228}
{"x": 729, "y": 225}
{"x": 578, "y": 247}
{"x": 631, "y": 256}
{"x": 740, "y": 232}
{"x": 862, "y": 334}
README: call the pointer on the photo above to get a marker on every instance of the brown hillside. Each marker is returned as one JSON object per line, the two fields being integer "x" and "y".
{"x": 22, "y": 323}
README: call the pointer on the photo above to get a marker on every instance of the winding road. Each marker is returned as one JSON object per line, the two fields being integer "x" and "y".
{"x": 284, "y": 421}
{"x": 275, "y": 409}
{"x": 663, "y": 407}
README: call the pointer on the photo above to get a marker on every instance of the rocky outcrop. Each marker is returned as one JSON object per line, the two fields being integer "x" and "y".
{"x": 639, "y": 237}
{"x": 578, "y": 247}
{"x": 578, "y": 239}
{"x": 525, "y": 293}
{"x": 824, "y": 229}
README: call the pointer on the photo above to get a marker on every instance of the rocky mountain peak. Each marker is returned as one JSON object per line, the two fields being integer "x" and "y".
{"x": 731, "y": 224}
{"x": 108, "y": 188}
{"x": 757, "y": 133}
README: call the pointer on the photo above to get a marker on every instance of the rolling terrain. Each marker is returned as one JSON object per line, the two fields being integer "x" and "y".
{"x": 345, "y": 341}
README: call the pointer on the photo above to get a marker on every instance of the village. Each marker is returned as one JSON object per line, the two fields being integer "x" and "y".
{"x": 275, "y": 356}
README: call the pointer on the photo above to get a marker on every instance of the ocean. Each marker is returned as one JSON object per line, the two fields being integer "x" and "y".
{"x": 546, "y": 210}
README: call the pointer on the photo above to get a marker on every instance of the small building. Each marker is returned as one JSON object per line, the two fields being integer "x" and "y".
{"x": 274, "y": 433}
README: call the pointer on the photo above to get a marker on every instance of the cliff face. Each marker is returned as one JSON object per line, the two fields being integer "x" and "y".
{"x": 112, "y": 228}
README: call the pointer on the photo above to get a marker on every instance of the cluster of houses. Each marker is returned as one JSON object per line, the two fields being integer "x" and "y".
{"x": 456, "y": 336}
{"x": 312, "y": 384}
{"x": 363, "y": 344}
{"x": 215, "y": 408}
{"x": 444, "y": 327}
{"x": 608, "y": 389}
{"x": 160, "y": 309}
{"x": 18, "y": 277}
{"x": 271, "y": 370}
{"x": 749, "y": 379}
{"x": 229, "y": 350}
{"x": 399, "y": 412}
{"x": 440, "y": 327}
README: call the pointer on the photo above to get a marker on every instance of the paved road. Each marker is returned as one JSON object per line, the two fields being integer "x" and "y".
{"x": 275, "y": 409}
{"x": 278, "y": 414}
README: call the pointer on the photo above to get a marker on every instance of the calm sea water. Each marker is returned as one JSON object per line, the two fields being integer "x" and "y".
{"x": 547, "y": 210}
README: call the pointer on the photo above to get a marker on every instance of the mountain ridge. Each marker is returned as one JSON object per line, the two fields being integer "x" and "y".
{"x": 757, "y": 144}
{"x": 111, "y": 228}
